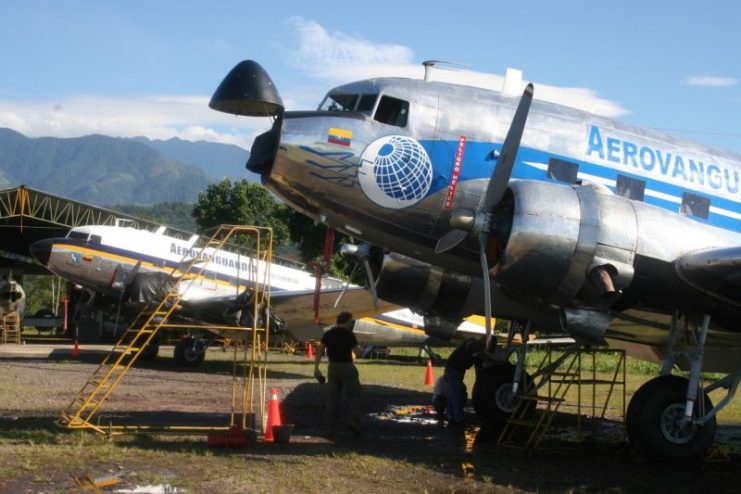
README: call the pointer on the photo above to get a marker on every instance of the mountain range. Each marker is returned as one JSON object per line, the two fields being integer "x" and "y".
{"x": 104, "y": 170}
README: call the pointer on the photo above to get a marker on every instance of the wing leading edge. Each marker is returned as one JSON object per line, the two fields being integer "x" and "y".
{"x": 715, "y": 272}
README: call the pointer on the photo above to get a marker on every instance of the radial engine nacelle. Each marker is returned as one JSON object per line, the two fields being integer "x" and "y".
{"x": 564, "y": 244}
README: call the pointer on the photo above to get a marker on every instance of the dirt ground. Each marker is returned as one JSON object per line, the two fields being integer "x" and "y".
{"x": 403, "y": 448}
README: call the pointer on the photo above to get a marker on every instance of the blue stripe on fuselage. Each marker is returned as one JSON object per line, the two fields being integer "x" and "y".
{"x": 479, "y": 161}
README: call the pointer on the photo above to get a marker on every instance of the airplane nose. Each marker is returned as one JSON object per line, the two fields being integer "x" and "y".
{"x": 248, "y": 90}
{"x": 41, "y": 250}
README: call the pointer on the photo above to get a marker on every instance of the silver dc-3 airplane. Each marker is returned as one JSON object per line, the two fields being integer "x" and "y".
{"x": 123, "y": 265}
{"x": 551, "y": 216}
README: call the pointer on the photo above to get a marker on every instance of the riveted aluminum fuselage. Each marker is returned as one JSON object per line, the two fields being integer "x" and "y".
{"x": 559, "y": 231}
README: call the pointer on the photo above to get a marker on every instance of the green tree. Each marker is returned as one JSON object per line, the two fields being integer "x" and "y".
{"x": 241, "y": 203}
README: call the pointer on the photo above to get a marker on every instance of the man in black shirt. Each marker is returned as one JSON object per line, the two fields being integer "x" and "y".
{"x": 340, "y": 342}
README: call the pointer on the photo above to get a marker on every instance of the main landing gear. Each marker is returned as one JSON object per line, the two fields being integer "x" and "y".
{"x": 670, "y": 417}
{"x": 500, "y": 384}
{"x": 190, "y": 351}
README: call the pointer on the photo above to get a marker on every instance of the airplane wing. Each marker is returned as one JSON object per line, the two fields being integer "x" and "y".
{"x": 714, "y": 272}
{"x": 297, "y": 307}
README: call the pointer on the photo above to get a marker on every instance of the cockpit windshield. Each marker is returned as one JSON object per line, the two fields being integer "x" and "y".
{"x": 88, "y": 237}
{"x": 78, "y": 235}
{"x": 340, "y": 102}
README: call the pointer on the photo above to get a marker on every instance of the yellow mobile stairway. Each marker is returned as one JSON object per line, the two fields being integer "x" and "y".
{"x": 257, "y": 241}
{"x": 11, "y": 328}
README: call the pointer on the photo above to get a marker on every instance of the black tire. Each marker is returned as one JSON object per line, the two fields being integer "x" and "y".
{"x": 657, "y": 427}
{"x": 46, "y": 314}
{"x": 633, "y": 413}
{"x": 492, "y": 394}
{"x": 188, "y": 356}
{"x": 149, "y": 354}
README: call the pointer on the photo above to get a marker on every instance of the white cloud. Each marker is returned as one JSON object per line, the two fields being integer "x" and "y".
{"x": 156, "y": 117}
{"x": 330, "y": 55}
{"x": 710, "y": 81}
{"x": 337, "y": 58}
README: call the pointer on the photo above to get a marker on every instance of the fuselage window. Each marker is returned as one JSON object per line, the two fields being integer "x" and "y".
{"x": 694, "y": 205}
{"x": 392, "y": 111}
{"x": 632, "y": 188}
{"x": 339, "y": 102}
{"x": 562, "y": 171}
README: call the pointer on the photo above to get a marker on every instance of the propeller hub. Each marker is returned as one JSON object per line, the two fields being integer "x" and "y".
{"x": 463, "y": 219}
{"x": 469, "y": 220}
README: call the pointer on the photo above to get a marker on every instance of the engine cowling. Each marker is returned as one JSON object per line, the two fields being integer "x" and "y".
{"x": 443, "y": 296}
{"x": 567, "y": 244}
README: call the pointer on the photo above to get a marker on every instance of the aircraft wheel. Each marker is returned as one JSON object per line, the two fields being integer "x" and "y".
{"x": 150, "y": 352}
{"x": 658, "y": 426}
{"x": 492, "y": 393}
{"x": 46, "y": 314}
{"x": 633, "y": 413}
{"x": 189, "y": 352}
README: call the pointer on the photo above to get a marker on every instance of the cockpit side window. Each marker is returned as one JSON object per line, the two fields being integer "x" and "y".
{"x": 366, "y": 103}
{"x": 339, "y": 102}
{"x": 392, "y": 111}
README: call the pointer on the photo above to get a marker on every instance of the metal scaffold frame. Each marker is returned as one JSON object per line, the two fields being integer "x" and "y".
{"x": 534, "y": 413}
{"x": 24, "y": 202}
{"x": 248, "y": 391}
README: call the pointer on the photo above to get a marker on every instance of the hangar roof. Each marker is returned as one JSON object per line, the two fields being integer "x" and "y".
{"x": 28, "y": 215}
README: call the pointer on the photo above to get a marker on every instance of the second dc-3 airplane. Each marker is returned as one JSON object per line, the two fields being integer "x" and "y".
{"x": 124, "y": 266}
{"x": 492, "y": 204}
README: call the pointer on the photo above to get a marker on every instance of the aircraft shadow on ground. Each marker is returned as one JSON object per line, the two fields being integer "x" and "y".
{"x": 421, "y": 443}
{"x": 166, "y": 364}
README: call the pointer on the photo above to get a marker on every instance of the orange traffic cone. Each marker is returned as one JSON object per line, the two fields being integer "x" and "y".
{"x": 310, "y": 351}
{"x": 429, "y": 379}
{"x": 75, "y": 350}
{"x": 273, "y": 416}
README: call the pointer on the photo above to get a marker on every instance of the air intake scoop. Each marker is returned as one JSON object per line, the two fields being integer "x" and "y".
{"x": 247, "y": 90}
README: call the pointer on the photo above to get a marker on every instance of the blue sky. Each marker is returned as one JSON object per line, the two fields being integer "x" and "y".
{"x": 148, "y": 68}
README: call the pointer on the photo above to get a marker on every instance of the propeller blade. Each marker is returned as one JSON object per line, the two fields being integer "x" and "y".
{"x": 502, "y": 172}
{"x": 371, "y": 281}
{"x": 347, "y": 284}
{"x": 450, "y": 240}
{"x": 483, "y": 239}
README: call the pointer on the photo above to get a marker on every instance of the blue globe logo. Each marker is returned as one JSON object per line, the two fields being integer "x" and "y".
{"x": 395, "y": 172}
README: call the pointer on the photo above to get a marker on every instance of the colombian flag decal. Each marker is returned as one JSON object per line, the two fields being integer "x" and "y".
{"x": 339, "y": 136}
